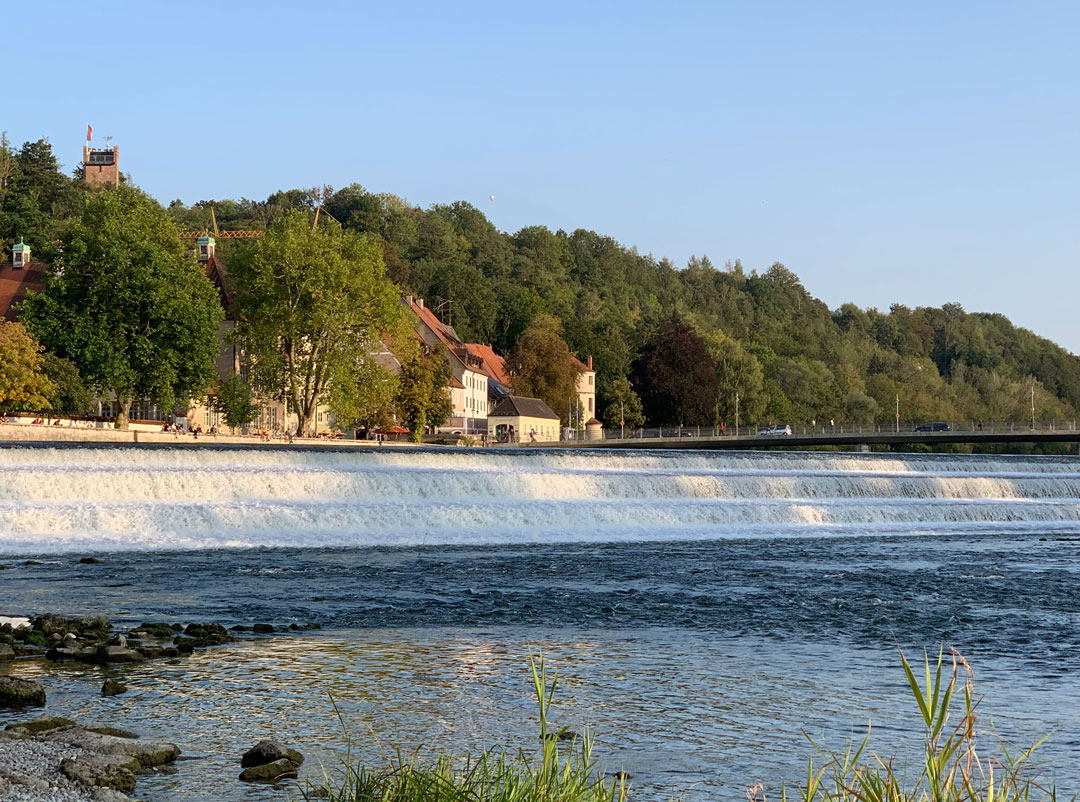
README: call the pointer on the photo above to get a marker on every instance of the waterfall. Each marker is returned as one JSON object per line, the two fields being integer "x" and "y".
{"x": 109, "y": 498}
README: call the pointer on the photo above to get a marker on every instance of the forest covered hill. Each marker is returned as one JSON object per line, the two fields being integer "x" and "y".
{"x": 689, "y": 338}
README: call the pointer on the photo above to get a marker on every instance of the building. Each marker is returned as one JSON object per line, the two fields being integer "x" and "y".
{"x": 517, "y": 419}
{"x": 469, "y": 387}
{"x": 494, "y": 367}
{"x": 101, "y": 167}
{"x": 18, "y": 277}
{"x": 586, "y": 388}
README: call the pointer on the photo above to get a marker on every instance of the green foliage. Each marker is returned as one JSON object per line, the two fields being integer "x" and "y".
{"x": 128, "y": 305}
{"x": 622, "y": 406}
{"x": 368, "y": 401}
{"x": 309, "y": 302}
{"x": 71, "y": 395}
{"x": 952, "y": 769}
{"x": 541, "y": 366}
{"x": 423, "y": 400}
{"x": 23, "y": 381}
{"x": 675, "y": 375}
{"x": 562, "y": 771}
{"x": 233, "y": 400}
{"x": 782, "y": 351}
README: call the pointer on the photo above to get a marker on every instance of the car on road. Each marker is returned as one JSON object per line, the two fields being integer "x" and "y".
{"x": 936, "y": 426}
{"x": 773, "y": 431}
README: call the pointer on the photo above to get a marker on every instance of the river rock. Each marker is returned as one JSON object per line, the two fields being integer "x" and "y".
{"x": 100, "y": 794}
{"x": 110, "y": 771}
{"x": 7, "y": 652}
{"x": 269, "y": 752}
{"x": 19, "y": 692}
{"x": 39, "y": 725}
{"x": 114, "y": 731}
{"x": 90, "y": 627}
{"x": 148, "y": 753}
{"x": 263, "y": 629}
{"x": 112, "y": 687}
{"x": 74, "y": 651}
{"x": 277, "y": 770}
{"x": 119, "y": 654}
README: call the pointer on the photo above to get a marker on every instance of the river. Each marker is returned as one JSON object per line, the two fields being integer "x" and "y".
{"x": 704, "y": 610}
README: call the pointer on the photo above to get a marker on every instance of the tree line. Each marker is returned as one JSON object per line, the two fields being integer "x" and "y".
{"x": 670, "y": 345}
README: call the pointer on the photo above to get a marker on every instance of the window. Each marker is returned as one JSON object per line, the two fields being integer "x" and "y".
{"x": 590, "y": 404}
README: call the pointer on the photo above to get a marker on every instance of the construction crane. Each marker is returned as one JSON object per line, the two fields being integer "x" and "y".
{"x": 237, "y": 234}
{"x": 319, "y": 208}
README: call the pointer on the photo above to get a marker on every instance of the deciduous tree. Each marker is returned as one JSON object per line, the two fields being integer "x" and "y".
{"x": 23, "y": 383}
{"x": 129, "y": 305}
{"x": 423, "y": 399}
{"x": 309, "y": 302}
{"x": 541, "y": 366}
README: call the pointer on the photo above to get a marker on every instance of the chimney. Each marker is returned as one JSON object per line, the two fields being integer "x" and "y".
{"x": 20, "y": 255}
{"x": 420, "y": 302}
{"x": 589, "y": 363}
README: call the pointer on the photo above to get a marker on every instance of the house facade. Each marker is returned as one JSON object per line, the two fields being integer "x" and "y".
{"x": 517, "y": 419}
{"x": 469, "y": 386}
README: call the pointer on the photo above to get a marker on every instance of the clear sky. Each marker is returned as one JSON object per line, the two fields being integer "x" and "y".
{"x": 918, "y": 152}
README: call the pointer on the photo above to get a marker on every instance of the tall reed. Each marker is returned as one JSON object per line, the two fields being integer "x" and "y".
{"x": 563, "y": 770}
{"x": 954, "y": 769}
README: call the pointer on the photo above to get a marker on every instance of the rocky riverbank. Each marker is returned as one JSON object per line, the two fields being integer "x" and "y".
{"x": 53, "y": 759}
{"x": 91, "y": 639}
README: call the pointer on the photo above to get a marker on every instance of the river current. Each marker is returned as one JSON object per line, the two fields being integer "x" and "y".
{"x": 704, "y": 610}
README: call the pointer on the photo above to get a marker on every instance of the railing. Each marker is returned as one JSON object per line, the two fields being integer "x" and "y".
{"x": 837, "y": 429}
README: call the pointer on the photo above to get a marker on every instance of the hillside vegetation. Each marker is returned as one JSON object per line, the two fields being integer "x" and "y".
{"x": 687, "y": 338}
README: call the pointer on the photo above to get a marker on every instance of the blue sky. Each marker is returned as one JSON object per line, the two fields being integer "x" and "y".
{"x": 916, "y": 153}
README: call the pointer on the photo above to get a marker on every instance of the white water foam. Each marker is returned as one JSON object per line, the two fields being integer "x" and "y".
{"x": 55, "y": 500}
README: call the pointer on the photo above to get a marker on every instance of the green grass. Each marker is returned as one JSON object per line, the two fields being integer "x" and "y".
{"x": 954, "y": 766}
{"x": 562, "y": 770}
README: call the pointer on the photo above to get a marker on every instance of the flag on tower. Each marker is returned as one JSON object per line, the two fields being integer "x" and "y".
{"x": 89, "y": 131}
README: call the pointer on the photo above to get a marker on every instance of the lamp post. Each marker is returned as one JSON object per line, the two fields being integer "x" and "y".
{"x": 736, "y": 413}
{"x": 898, "y": 413}
{"x": 1033, "y": 406}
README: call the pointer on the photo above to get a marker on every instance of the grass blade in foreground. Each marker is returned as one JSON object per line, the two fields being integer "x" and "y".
{"x": 952, "y": 768}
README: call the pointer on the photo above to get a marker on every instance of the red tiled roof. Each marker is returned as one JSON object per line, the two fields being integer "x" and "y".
{"x": 493, "y": 364}
{"x": 215, "y": 271}
{"x": 456, "y": 383}
{"x": 14, "y": 284}
{"x": 445, "y": 333}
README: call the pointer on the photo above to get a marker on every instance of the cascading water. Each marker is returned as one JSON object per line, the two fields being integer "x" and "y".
{"x": 68, "y": 499}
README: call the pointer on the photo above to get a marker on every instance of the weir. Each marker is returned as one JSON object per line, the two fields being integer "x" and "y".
{"x": 107, "y": 498}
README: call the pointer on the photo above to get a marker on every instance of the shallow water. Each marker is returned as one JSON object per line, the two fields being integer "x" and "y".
{"x": 698, "y": 655}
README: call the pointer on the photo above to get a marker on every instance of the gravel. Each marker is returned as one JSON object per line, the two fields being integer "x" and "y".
{"x": 28, "y": 772}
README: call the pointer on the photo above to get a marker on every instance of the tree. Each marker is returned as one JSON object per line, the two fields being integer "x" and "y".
{"x": 71, "y": 395}
{"x": 129, "y": 305}
{"x": 367, "y": 401}
{"x": 738, "y": 374}
{"x": 675, "y": 375}
{"x": 423, "y": 399}
{"x": 623, "y": 406}
{"x": 23, "y": 383}
{"x": 233, "y": 400}
{"x": 309, "y": 301}
{"x": 541, "y": 366}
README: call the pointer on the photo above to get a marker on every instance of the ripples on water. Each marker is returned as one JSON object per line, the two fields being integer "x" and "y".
{"x": 698, "y": 654}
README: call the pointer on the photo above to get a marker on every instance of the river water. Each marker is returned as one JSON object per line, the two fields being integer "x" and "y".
{"x": 704, "y": 610}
